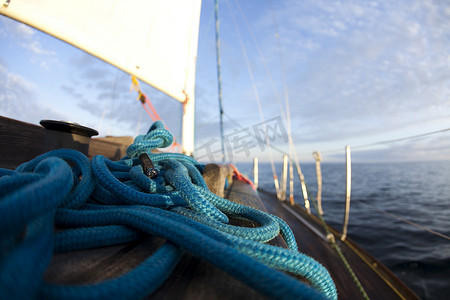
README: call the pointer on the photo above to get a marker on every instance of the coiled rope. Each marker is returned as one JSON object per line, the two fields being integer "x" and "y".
{"x": 103, "y": 203}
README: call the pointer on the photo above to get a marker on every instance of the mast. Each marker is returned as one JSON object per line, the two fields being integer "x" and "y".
{"x": 219, "y": 75}
{"x": 187, "y": 133}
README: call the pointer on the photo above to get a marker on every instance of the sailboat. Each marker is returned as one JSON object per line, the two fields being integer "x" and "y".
{"x": 127, "y": 263}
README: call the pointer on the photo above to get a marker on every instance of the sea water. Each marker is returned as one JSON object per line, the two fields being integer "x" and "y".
{"x": 418, "y": 192}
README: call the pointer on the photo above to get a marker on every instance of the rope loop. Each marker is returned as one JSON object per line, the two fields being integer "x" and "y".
{"x": 156, "y": 137}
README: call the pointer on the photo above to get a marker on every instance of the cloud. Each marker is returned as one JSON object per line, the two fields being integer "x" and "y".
{"x": 356, "y": 71}
{"x": 71, "y": 90}
{"x": 29, "y": 39}
{"x": 19, "y": 30}
{"x": 374, "y": 65}
{"x": 18, "y": 99}
{"x": 104, "y": 91}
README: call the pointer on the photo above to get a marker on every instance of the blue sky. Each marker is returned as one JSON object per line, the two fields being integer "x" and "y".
{"x": 356, "y": 72}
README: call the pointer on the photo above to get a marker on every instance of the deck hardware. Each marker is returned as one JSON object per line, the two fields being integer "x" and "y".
{"x": 348, "y": 191}
{"x": 330, "y": 238}
{"x": 255, "y": 172}
{"x": 291, "y": 182}
{"x": 277, "y": 185}
{"x": 305, "y": 192}
{"x": 147, "y": 166}
{"x": 66, "y": 134}
{"x": 318, "y": 158}
{"x": 303, "y": 185}
{"x": 6, "y": 4}
{"x": 284, "y": 178}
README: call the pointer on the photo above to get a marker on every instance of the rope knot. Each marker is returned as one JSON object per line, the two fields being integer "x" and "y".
{"x": 156, "y": 137}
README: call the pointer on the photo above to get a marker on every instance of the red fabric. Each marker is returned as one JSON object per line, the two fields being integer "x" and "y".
{"x": 238, "y": 175}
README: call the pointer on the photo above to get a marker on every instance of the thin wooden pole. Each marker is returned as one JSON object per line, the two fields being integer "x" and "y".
{"x": 284, "y": 178}
{"x": 255, "y": 172}
{"x": 348, "y": 192}
{"x": 318, "y": 158}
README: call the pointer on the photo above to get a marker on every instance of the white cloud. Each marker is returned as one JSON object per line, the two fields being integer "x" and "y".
{"x": 29, "y": 39}
{"x": 104, "y": 91}
{"x": 18, "y": 99}
{"x": 22, "y": 30}
{"x": 35, "y": 47}
{"x": 353, "y": 68}
{"x": 384, "y": 61}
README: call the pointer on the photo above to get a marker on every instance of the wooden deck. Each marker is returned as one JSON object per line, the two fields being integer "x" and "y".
{"x": 378, "y": 281}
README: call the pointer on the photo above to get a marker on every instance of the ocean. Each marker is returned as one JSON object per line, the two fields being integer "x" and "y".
{"x": 382, "y": 193}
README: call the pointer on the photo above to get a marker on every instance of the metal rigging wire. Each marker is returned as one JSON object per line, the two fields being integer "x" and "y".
{"x": 390, "y": 141}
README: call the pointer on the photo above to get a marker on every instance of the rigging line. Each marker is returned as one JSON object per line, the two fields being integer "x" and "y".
{"x": 105, "y": 107}
{"x": 255, "y": 91}
{"x": 292, "y": 151}
{"x": 149, "y": 112}
{"x": 405, "y": 220}
{"x": 219, "y": 76}
{"x": 109, "y": 116}
{"x": 402, "y": 139}
{"x": 152, "y": 108}
{"x": 298, "y": 169}
{"x": 100, "y": 122}
{"x": 263, "y": 60}
{"x": 138, "y": 125}
{"x": 254, "y": 135}
{"x": 285, "y": 115}
{"x": 296, "y": 160}
{"x": 286, "y": 118}
{"x": 148, "y": 106}
{"x": 283, "y": 69}
{"x": 391, "y": 141}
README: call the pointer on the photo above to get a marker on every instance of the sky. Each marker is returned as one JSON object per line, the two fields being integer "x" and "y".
{"x": 354, "y": 73}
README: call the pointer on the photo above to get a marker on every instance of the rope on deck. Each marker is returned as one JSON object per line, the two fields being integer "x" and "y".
{"x": 102, "y": 203}
{"x": 333, "y": 243}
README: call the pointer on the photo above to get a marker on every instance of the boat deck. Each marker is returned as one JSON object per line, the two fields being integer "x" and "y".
{"x": 378, "y": 281}
{"x": 194, "y": 278}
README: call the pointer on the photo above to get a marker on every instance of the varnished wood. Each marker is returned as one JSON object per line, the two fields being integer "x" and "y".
{"x": 113, "y": 150}
{"x": 20, "y": 142}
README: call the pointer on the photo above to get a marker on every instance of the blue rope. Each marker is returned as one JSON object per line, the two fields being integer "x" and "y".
{"x": 104, "y": 203}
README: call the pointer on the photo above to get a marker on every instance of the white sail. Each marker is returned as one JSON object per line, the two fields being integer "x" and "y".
{"x": 155, "y": 40}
